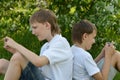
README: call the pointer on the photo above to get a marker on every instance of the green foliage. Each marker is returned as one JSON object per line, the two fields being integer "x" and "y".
{"x": 105, "y": 14}
{"x": 14, "y": 20}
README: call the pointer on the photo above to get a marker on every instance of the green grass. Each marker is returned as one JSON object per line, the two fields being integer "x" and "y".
{"x": 117, "y": 77}
{"x": 1, "y": 77}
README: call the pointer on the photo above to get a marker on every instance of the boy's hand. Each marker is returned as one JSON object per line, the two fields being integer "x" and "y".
{"x": 10, "y": 49}
{"x": 10, "y": 44}
{"x": 109, "y": 49}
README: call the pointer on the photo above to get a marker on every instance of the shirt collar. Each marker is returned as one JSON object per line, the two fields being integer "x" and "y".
{"x": 52, "y": 41}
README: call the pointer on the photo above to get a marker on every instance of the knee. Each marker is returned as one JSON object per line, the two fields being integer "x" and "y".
{"x": 116, "y": 55}
{"x": 2, "y": 60}
{"x": 18, "y": 60}
{"x": 3, "y": 65}
{"x": 16, "y": 57}
{"x": 116, "y": 60}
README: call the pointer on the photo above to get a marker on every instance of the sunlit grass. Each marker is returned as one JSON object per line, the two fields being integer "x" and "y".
{"x": 1, "y": 77}
{"x": 117, "y": 77}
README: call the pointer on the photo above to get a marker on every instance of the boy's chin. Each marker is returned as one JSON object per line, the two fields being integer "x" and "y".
{"x": 89, "y": 48}
{"x": 40, "y": 39}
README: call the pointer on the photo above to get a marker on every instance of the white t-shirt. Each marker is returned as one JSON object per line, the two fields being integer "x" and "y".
{"x": 60, "y": 56}
{"x": 83, "y": 66}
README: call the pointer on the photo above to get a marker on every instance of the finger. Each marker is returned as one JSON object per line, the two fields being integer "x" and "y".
{"x": 6, "y": 46}
{"x": 111, "y": 45}
{"x": 108, "y": 43}
{"x": 113, "y": 42}
{"x": 6, "y": 39}
{"x": 114, "y": 47}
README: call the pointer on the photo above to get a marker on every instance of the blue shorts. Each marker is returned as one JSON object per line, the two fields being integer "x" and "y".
{"x": 31, "y": 72}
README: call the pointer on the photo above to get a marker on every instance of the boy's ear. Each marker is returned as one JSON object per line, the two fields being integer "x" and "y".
{"x": 47, "y": 24}
{"x": 85, "y": 36}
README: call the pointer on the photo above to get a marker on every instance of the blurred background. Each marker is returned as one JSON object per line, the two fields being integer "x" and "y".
{"x": 15, "y": 14}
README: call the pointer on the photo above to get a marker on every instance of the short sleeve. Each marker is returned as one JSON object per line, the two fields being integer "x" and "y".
{"x": 57, "y": 53}
{"x": 91, "y": 66}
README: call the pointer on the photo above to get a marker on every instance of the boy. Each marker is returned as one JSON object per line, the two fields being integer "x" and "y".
{"x": 85, "y": 68}
{"x": 55, "y": 60}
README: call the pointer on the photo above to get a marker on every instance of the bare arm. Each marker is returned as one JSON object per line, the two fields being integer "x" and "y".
{"x": 31, "y": 56}
{"x": 108, "y": 52}
{"x": 107, "y": 62}
{"x": 100, "y": 56}
{"x": 98, "y": 76}
{"x": 35, "y": 59}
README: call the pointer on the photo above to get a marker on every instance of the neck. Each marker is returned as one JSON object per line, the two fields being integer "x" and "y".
{"x": 80, "y": 45}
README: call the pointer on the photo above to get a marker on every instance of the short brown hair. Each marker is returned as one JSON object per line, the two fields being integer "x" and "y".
{"x": 84, "y": 26}
{"x": 45, "y": 15}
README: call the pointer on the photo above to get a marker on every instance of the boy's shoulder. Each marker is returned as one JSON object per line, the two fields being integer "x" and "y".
{"x": 80, "y": 52}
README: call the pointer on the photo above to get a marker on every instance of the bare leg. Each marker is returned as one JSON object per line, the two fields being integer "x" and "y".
{"x": 116, "y": 61}
{"x": 16, "y": 65}
{"x": 3, "y": 66}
